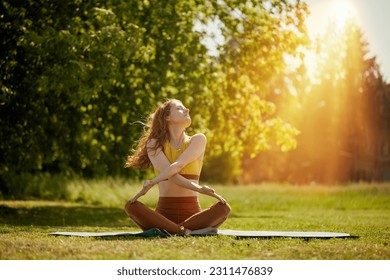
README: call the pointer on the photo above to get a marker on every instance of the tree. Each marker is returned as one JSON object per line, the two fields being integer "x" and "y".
{"x": 75, "y": 74}
{"x": 341, "y": 115}
{"x": 242, "y": 120}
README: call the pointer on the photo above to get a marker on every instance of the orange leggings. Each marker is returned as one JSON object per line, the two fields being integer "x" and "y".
{"x": 175, "y": 214}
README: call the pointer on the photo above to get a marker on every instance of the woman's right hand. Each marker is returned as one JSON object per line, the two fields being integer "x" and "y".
{"x": 148, "y": 184}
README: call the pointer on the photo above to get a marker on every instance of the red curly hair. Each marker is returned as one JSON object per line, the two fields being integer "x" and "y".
{"x": 157, "y": 129}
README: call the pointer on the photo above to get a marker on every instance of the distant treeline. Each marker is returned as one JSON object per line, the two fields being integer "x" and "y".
{"x": 342, "y": 110}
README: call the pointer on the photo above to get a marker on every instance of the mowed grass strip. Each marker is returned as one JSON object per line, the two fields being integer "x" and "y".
{"x": 359, "y": 209}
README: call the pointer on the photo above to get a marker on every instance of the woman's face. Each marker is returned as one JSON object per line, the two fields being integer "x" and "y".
{"x": 179, "y": 114}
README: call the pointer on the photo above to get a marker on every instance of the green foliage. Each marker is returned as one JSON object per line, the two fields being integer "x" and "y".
{"x": 33, "y": 186}
{"x": 242, "y": 120}
{"x": 75, "y": 74}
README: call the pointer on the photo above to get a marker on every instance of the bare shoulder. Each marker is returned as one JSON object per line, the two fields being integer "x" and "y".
{"x": 151, "y": 143}
{"x": 199, "y": 138}
{"x": 151, "y": 148}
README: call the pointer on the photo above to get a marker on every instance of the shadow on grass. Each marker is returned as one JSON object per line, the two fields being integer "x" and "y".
{"x": 64, "y": 216}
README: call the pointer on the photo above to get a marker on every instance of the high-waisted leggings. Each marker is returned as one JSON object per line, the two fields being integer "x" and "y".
{"x": 175, "y": 214}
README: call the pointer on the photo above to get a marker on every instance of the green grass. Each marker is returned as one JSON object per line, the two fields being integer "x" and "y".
{"x": 359, "y": 209}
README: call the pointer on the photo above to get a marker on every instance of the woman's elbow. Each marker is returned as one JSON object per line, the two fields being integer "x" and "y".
{"x": 177, "y": 167}
{"x": 174, "y": 169}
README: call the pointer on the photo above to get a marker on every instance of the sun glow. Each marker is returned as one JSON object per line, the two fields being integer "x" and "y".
{"x": 325, "y": 16}
{"x": 340, "y": 12}
{"x": 333, "y": 13}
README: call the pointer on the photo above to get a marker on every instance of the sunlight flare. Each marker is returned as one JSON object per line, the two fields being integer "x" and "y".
{"x": 331, "y": 12}
{"x": 340, "y": 12}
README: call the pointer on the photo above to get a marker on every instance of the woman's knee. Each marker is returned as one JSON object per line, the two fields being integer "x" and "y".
{"x": 224, "y": 208}
{"x": 227, "y": 208}
{"x": 131, "y": 208}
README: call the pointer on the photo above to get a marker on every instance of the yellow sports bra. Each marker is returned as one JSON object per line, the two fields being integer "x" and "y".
{"x": 191, "y": 170}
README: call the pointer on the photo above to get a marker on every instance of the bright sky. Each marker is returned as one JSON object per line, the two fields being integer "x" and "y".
{"x": 373, "y": 17}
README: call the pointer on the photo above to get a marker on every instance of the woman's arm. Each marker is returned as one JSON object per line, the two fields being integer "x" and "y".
{"x": 161, "y": 162}
{"x": 195, "y": 150}
{"x": 191, "y": 185}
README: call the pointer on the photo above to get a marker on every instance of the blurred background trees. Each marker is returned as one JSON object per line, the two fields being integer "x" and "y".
{"x": 76, "y": 76}
{"x": 341, "y": 109}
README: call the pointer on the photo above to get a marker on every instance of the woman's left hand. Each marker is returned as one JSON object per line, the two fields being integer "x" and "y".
{"x": 211, "y": 192}
{"x": 207, "y": 190}
{"x": 220, "y": 198}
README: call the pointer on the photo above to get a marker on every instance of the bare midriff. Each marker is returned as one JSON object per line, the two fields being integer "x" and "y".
{"x": 169, "y": 189}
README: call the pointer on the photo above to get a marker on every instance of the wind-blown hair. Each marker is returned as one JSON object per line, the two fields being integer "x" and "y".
{"x": 157, "y": 129}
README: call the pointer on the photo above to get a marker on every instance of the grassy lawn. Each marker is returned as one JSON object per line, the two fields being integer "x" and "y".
{"x": 360, "y": 209}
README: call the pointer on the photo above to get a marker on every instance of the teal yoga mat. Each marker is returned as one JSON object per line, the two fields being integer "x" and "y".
{"x": 227, "y": 232}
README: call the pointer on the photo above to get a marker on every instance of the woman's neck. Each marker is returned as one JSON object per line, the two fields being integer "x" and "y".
{"x": 177, "y": 136}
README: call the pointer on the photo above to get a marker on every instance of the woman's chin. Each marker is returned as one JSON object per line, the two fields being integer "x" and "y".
{"x": 188, "y": 122}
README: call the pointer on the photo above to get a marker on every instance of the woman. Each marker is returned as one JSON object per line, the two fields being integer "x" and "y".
{"x": 177, "y": 160}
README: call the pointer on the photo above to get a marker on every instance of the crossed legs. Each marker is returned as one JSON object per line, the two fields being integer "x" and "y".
{"x": 146, "y": 218}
